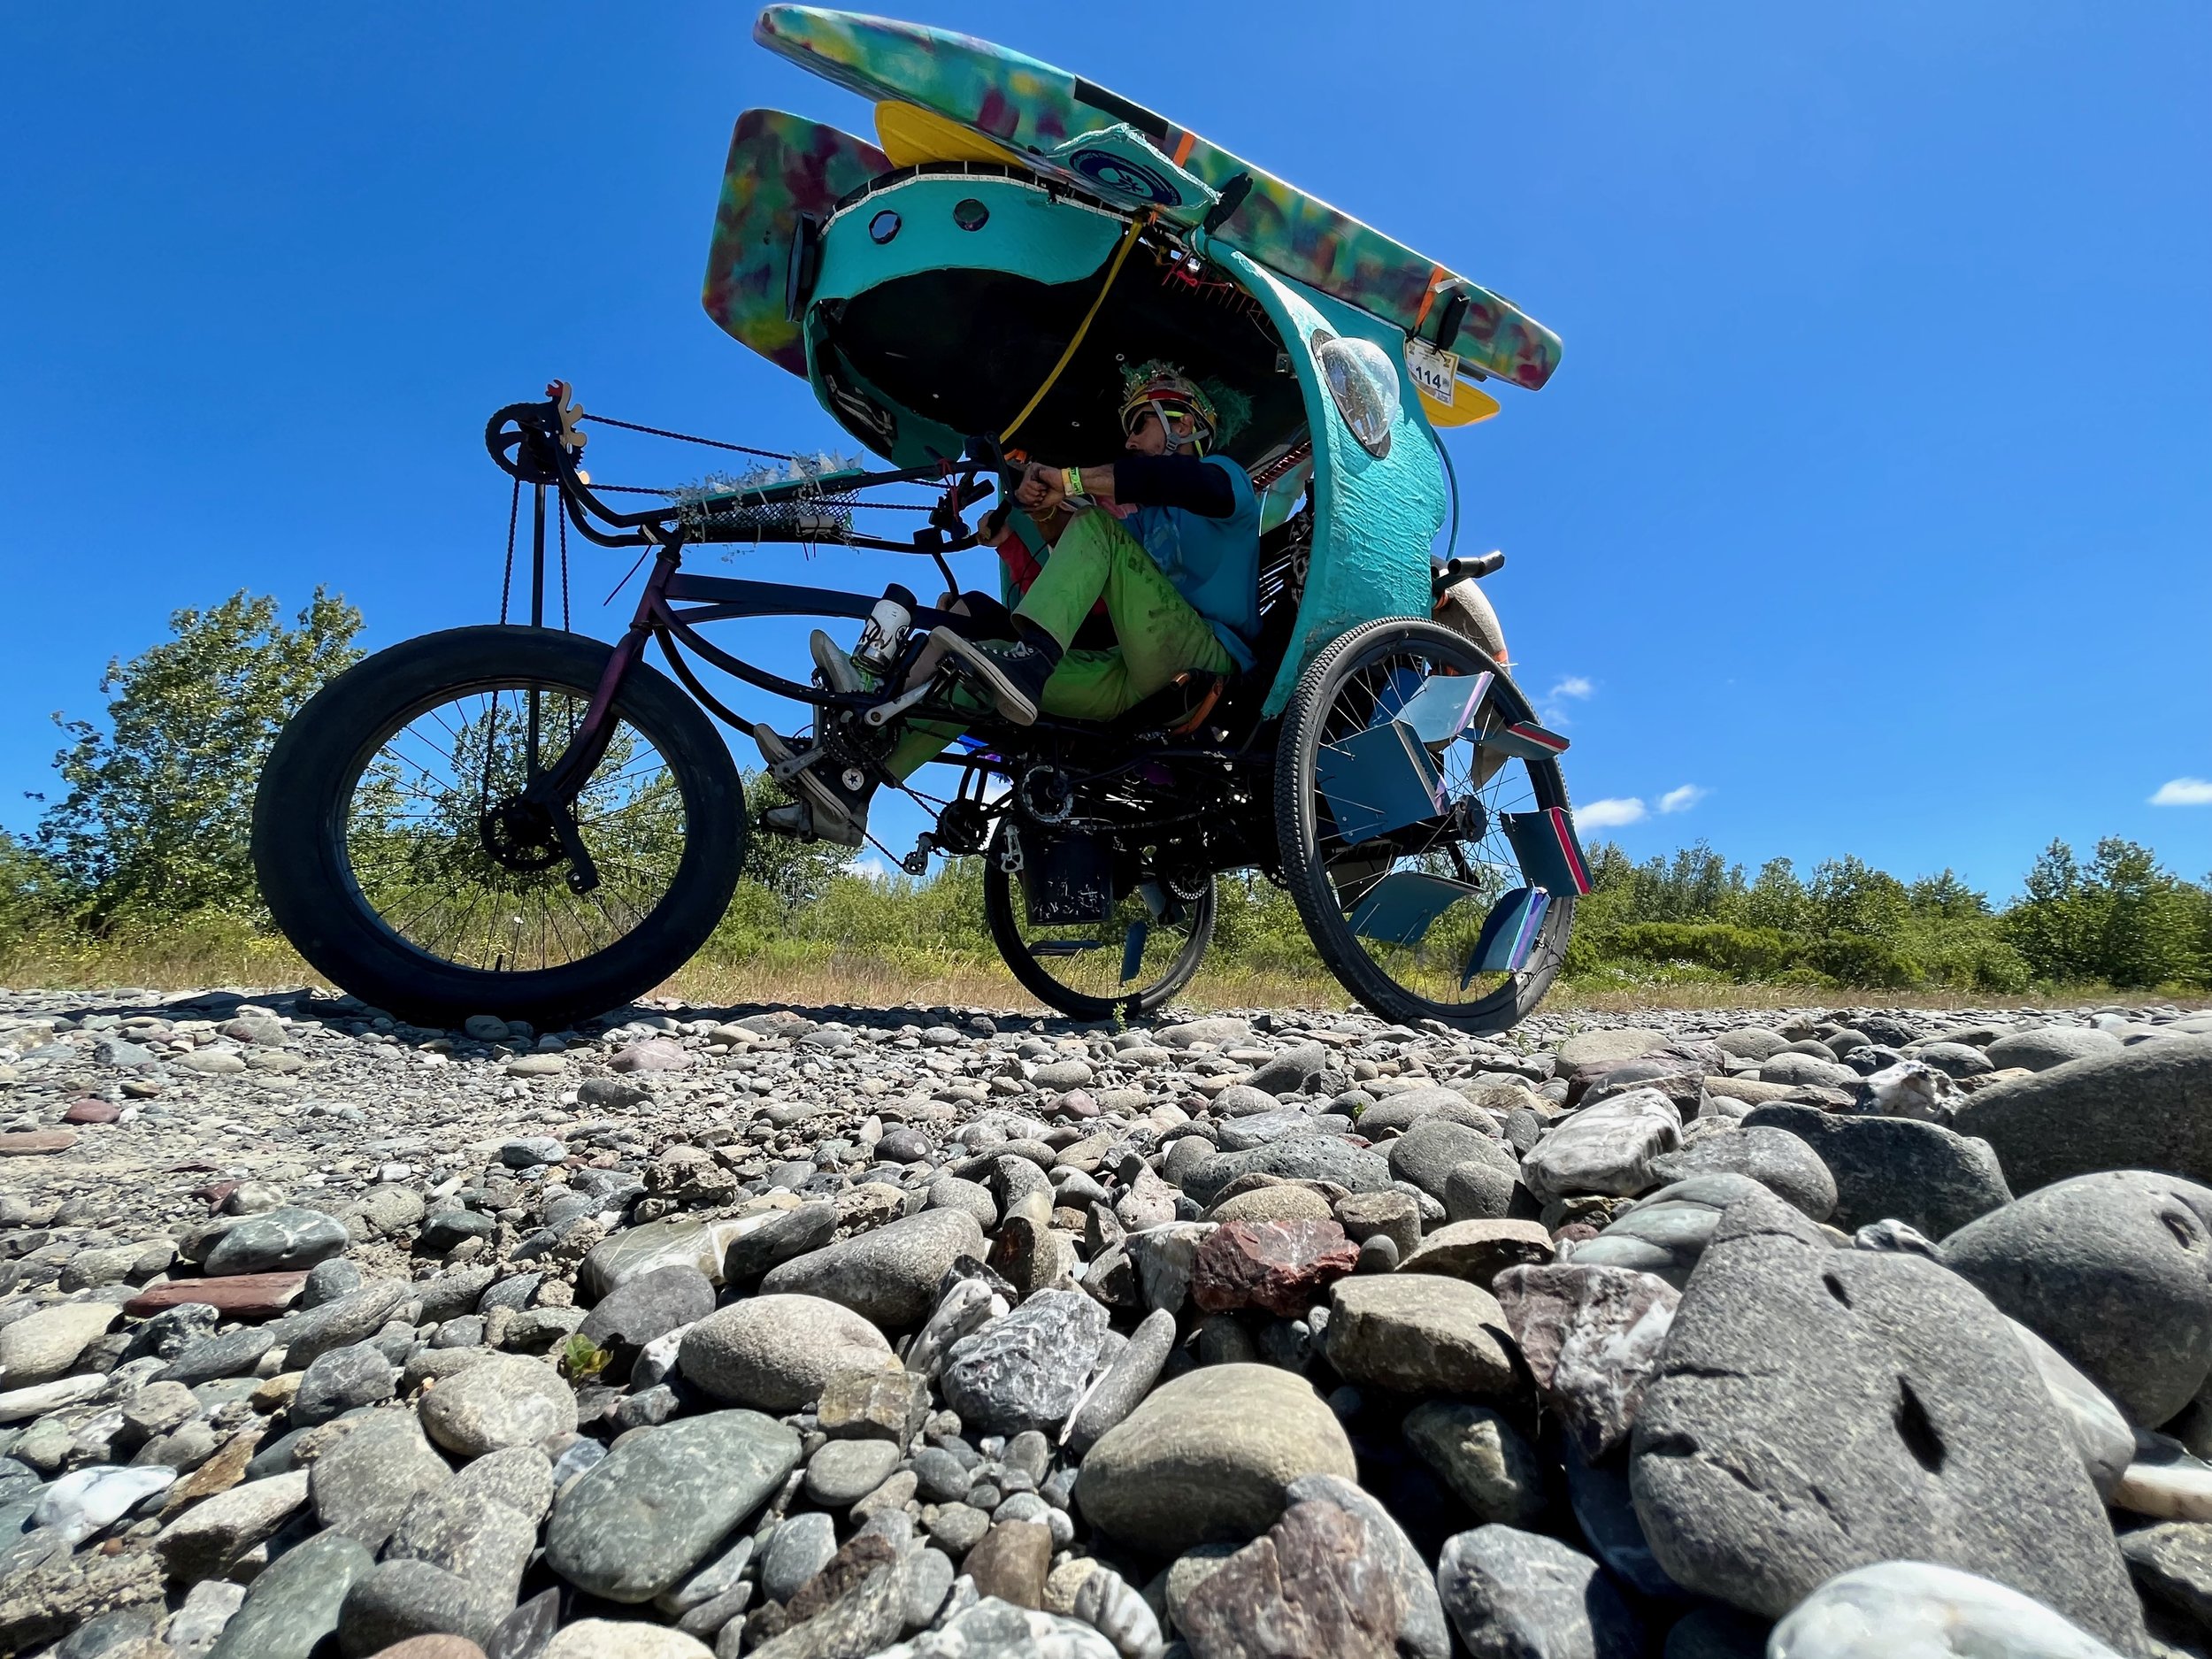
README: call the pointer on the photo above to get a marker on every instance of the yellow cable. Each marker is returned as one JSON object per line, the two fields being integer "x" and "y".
{"x": 1121, "y": 255}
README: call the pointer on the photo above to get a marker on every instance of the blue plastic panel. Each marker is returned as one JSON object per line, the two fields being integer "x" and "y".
{"x": 1444, "y": 707}
{"x": 1403, "y": 906}
{"x": 1509, "y": 934}
{"x": 1377, "y": 780}
{"x": 1550, "y": 855}
{"x": 1526, "y": 739}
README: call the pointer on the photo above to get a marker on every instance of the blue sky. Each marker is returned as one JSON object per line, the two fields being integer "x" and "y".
{"x": 1870, "y": 510}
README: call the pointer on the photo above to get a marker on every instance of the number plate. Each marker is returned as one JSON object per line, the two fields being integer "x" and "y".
{"x": 1434, "y": 372}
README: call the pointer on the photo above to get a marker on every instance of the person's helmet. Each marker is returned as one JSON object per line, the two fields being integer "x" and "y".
{"x": 1164, "y": 390}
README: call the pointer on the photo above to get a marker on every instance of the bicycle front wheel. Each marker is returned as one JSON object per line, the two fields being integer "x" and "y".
{"x": 395, "y": 850}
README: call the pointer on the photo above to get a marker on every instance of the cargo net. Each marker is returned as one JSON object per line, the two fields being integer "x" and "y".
{"x": 817, "y": 510}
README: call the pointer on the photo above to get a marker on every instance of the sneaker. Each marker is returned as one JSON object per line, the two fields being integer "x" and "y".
{"x": 836, "y": 806}
{"x": 1013, "y": 671}
{"x": 838, "y": 671}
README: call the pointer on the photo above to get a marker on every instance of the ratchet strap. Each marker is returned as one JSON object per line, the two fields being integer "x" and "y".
{"x": 1121, "y": 256}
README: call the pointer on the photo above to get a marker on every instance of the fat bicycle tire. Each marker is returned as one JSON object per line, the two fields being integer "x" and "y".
{"x": 1299, "y": 832}
{"x": 1000, "y": 898}
{"x": 303, "y": 803}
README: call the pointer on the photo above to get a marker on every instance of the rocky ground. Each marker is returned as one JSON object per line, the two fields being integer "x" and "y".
{"x": 950, "y": 1334}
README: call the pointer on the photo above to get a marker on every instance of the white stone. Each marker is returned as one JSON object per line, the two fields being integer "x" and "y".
{"x": 1909, "y": 1610}
{"x": 1607, "y": 1147}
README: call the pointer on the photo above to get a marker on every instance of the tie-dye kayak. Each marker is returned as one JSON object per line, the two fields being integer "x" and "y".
{"x": 960, "y": 98}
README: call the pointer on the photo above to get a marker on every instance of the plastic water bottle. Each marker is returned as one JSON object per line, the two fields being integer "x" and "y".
{"x": 878, "y": 649}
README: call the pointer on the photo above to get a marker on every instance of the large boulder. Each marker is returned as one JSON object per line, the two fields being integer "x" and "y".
{"x": 2113, "y": 1270}
{"x": 1208, "y": 1458}
{"x": 2047, "y": 1047}
{"x": 1929, "y": 1177}
{"x": 2146, "y": 1107}
{"x": 1783, "y": 1163}
{"x": 1819, "y": 1410}
{"x": 889, "y": 1275}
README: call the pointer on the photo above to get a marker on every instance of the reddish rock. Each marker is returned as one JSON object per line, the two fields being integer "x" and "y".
{"x": 1592, "y": 1336}
{"x": 1313, "y": 1585}
{"x": 30, "y": 1142}
{"x": 241, "y": 1296}
{"x": 214, "y": 1193}
{"x": 1283, "y": 1266}
{"x": 91, "y": 1111}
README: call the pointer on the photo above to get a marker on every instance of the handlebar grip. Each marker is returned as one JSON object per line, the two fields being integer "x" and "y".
{"x": 1453, "y": 572}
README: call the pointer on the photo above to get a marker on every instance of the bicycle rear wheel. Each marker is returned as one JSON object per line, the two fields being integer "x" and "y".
{"x": 1399, "y": 912}
{"x": 1145, "y": 950}
{"x": 396, "y": 852}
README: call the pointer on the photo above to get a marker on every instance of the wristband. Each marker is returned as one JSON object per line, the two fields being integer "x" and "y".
{"x": 1072, "y": 483}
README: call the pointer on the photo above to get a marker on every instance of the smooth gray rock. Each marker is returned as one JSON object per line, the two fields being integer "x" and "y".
{"x": 477, "y": 1538}
{"x": 1027, "y": 1371}
{"x": 1300, "y": 1158}
{"x": 230, "y": 1355}
{"x": 276, "y": 1241}
{"x": 2148, "y": 1107}
{"x": 651, "y": 1304}
{"x": 292, "y": 1608}
{"x": 1815, "y": 1408}
{"x": 1794, "y": 1070}
{"x": 363, "y": 1482}
{"x": 504, "y": 1400}
{"x": 2102, "y": 1435}
{"x": 888, "y": 1276}
{"x": 1411, "y": 1107}
{"x": 2114, "y": 1270}
{"x": 1291, "y": 1070}
{"x": 845, "y": 1471}
{"x": 1954, "y": 1059}
{"x": 2050, "y": 1046}
{"x": 353, "y": 1317}
{"x": 1209, "y": 1456}
{"x": 792, "y": 1233}
{"x": 1914, "y": 1607}
{"x": 1125, "y": 1382}
{"x": 1428, "y": 1153}
{"x": 775, "y": 1352}
{"x": 339, "y": 1380}
{"x": 2172, "y": 1563}
{"x": 396, "y": 1600}
{"x": 802, "y": 1548}
{"x": 659, "y": 1503}
{"x": 1512, "y": 1594}
{"x": 1784, "y": 1163}
{"x": 1930, "y": 1178}
{"x": 1667, "y": 1232}
{"x": 1480, "y": 1190}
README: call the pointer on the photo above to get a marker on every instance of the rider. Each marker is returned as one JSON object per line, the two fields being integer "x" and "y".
{"x": 1168, "y": 537}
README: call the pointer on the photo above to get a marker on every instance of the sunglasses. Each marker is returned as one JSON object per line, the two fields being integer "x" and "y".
{"x": 1133, "y": 417}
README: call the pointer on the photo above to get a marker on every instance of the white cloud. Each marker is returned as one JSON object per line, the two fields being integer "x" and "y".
{"x": 1609, "y": 814}
{"x": 2184, "y": 792}
{"x": 1574, "y": 686}
{"x": 869, "y": 869}
{"x": 1683, "y": 799}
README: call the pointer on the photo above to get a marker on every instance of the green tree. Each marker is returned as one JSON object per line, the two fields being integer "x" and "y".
{"x": 2143, "y": 920}
{"x": 158, "y": 805}
{"x": 797, "y": 873}
{"x": 1945, "y": 898}
{"x": 1848, "y": 895}
{"x": 2050, "y": 925}
{"x": 1777, "y": 901}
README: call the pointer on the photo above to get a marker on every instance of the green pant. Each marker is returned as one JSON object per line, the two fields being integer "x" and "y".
{"x": 1159, "y": 636}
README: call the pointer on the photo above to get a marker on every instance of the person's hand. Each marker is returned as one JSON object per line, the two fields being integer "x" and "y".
{"x": 990, "y": 530}
{"x": 1039, "y": 489}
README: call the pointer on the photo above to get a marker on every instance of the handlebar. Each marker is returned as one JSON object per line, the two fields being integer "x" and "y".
{"x": 1453, "y": 572}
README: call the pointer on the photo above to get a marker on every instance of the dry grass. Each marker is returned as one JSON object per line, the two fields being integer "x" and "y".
{"x": 236, "y": 958}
